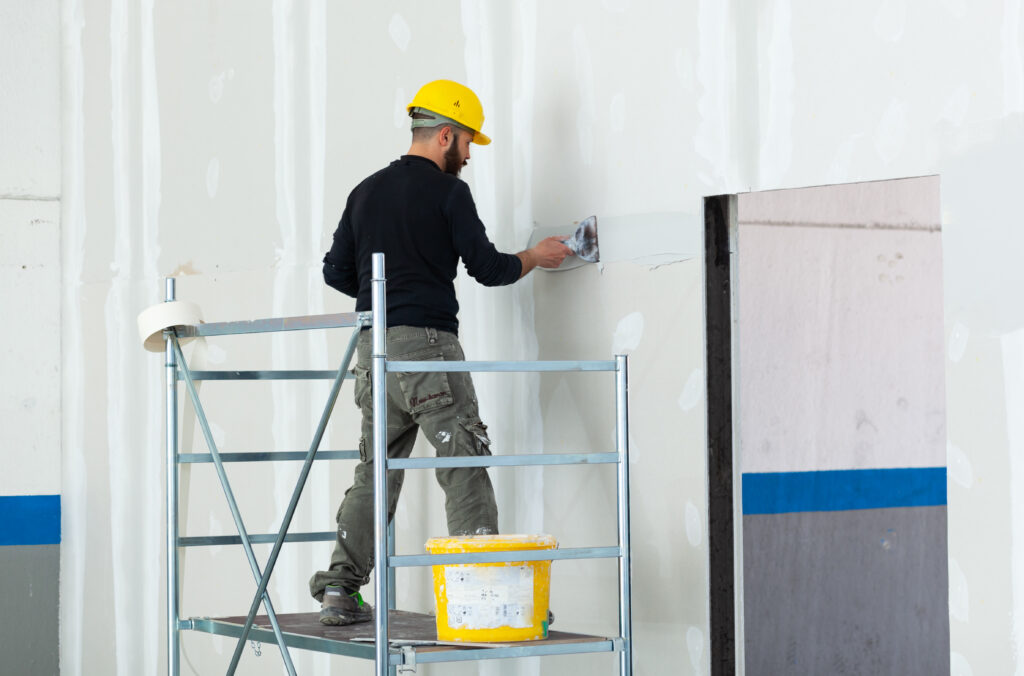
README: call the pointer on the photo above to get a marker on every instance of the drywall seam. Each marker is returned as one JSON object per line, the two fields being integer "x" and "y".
{"x": 149, "y": 539}
{"x": 74, "y": 469}
{"x": 121, "y": 482}
{"x": 32, "y": 198}
{"x": 285, "y": 399}
{"x": 713, "y": 140}
{"x": 318, "y": 486}
{"x": 1013, "y": 383}
{"x": 776, "y": 149}
{"x": 1013, "y": 67}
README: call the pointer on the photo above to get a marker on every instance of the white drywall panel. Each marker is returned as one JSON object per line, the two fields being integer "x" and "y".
{"x": 30, "y": 99}
{"x": 30, "y": 356}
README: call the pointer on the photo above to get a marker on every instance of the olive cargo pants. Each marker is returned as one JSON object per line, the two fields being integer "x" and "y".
{"x": 444, "y": 406}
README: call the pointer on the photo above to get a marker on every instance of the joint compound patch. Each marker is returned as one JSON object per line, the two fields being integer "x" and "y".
{"x": 488, "y": 597}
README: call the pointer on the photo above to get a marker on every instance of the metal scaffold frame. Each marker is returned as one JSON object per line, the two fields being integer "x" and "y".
{"x": 386, "y": 657}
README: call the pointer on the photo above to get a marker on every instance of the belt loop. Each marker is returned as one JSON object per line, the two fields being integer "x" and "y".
{"x": 431, "y": 335}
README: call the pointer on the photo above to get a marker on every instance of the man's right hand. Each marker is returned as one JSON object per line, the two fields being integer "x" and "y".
{"x": 548, "y": 253}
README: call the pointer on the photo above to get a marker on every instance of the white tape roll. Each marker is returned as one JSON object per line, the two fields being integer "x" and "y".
{"x": 154, "y": 319}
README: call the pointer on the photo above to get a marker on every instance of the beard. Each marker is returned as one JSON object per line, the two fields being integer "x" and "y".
{"x": 453, "y": 162}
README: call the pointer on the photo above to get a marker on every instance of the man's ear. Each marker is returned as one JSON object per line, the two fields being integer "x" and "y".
{"x": 445, "y": 136}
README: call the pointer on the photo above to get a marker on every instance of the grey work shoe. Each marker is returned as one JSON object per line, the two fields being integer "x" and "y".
{"x": 341, "y": 607}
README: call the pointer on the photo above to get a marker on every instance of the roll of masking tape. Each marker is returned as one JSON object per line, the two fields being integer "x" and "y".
{"x": 153, "y": 320}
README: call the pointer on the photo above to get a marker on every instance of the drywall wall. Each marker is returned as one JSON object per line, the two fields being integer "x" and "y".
{"x": 217, "y": 142}
{"x": 30, "y": 352}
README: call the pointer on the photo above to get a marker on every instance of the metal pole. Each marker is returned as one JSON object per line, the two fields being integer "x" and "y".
{"x": 622, "y": 446}
{"x": 325, "y": 417}
{"x": 380, "y": 471}
{"x": 171, "y": 454}
{"x": 392, "y": 589}
{"x": 236, "y": 515}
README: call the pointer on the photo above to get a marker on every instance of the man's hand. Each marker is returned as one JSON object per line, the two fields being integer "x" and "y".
{"x": 549, "y": 253}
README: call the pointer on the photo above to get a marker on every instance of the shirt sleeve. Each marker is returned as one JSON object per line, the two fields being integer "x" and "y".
{"x": 483, "y": 261}
{"x": 340, "y": 262}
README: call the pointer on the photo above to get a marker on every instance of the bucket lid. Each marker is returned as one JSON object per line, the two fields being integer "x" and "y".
{"x": 457, "y": 544}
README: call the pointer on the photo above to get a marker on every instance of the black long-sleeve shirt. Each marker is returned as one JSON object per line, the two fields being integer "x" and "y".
{"x": 423, "y": 220}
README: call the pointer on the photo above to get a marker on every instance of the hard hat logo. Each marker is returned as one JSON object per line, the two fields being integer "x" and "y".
{"x": 445, "y": 98}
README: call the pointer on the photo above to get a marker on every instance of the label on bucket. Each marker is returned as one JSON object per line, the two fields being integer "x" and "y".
{"x": 488, "y": 597}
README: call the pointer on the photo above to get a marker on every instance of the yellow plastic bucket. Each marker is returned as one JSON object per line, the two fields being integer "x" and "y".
{"x": 492, "y": 602}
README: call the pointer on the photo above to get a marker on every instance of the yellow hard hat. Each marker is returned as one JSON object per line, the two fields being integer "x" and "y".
{"x": 454, "y": 101}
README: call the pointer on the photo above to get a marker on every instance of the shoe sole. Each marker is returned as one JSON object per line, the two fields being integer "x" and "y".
{"x": 342, "y": 620}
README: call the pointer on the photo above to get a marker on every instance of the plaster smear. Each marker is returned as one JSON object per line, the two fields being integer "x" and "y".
{"x": 617, "y": 112}
{"x": 653, "y": 240}
{"x": 958, "y": 338}
{"x": 1013, "y": 67}
{"x": 212, "y": 177}
{"x": 399, "y": 31}
{"x": 959, "y": 598}
{"x": 713, "y": 140}
{"x": 693, "y": 391}
{"x": 891, "y": 133}
{"x": 695, "y": 648}
{"x": 958, "y": 665}
{"x": 585, "y": 78}
{"x": 694, "y": 527}
{"x": 890, "y": 20}
{"x": 628, "y": 333}
{"x": 776, "y": 152}
{"x": 959, "y": 465}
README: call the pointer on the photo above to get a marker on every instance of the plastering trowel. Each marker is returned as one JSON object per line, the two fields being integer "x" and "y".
{"x": 583, "y": 243}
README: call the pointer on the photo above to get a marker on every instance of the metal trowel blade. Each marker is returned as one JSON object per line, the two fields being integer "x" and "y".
{"x": 584, "y": 241}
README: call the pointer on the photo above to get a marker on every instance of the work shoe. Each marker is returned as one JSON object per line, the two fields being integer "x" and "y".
{"x": 340, "y": 606}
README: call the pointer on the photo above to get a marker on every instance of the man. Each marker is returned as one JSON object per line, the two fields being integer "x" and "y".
{"x": 422, "y": 217}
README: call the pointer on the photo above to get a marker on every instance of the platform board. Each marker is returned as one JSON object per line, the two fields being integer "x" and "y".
{"x": 304, "y": 631}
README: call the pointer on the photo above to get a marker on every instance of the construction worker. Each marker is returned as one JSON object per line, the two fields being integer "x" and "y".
{"x": 422, "y": 217}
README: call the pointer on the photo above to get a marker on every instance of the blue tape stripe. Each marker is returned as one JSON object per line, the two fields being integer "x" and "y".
{"x": 30, "y": 520}
{"x": 836, "y": 490}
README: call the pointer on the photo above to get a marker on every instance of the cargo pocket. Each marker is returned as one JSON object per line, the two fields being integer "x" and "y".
{"x": 362, "y": 388}
{"x": 425, "y": 392}
{"x": 479, "y": 442}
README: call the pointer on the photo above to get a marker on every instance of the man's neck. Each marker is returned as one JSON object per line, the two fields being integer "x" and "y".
{"x": 421, "y": 151}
